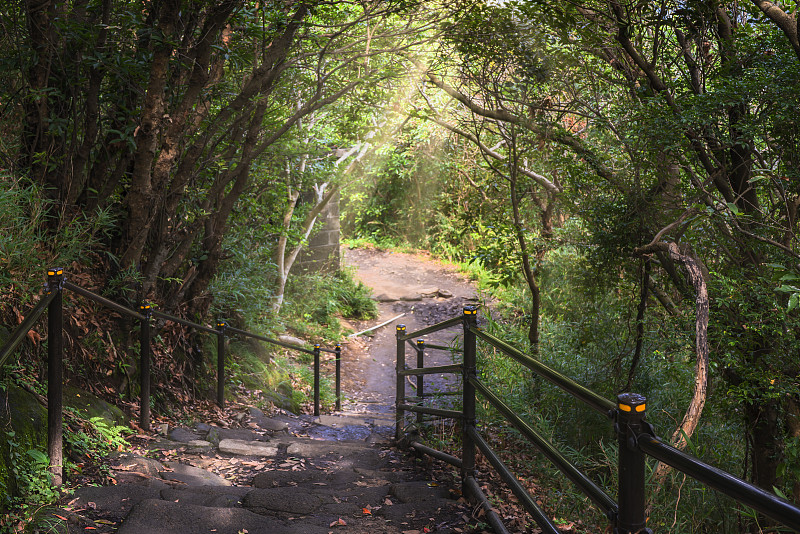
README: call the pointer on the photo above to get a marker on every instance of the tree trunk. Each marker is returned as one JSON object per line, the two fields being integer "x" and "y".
{"x": 527, "y": 270}
{"x": 695, "y": 409}
{"x": 284, "y": 261}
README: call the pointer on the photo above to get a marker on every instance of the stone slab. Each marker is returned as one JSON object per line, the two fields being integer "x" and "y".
{"x": 269, "y": 501}
{"x": 273, "y": 425}
{"x": 211, "y": 496}
{"x": 313, "y": 449}
{"x": 418, "y": 491}
{"x": 165, "y": 517}
{"x": 182, "y": 435}
{"x": 192, "y": 476}
{"x": 117, "y": 500}
{"x": 247, "y": 448}
{"x": 125, "y": 464}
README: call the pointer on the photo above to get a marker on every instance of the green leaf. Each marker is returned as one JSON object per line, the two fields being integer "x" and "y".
{"x": 794, "y": 300}
{"x": 779, "y": 493}
{"x": 38, "y": 456}
{"x": 788, "y": 289}
{"x": 734, "y": 208}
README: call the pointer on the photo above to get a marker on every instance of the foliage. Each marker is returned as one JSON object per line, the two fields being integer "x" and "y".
{"x": 25, "y": 245}
{"x": 315, "y": 301}
{"x": 95, "y": 437}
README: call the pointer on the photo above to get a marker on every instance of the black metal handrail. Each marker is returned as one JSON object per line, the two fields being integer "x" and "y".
{"x": 583, "y": 394}
{"x": 636, "y": 438}
{"x": 18, "y": 335}
{"x": 589, "y": 488}
{"x": 52, "y": 302}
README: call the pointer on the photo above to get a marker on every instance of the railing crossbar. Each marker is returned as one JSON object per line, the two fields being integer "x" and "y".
{"x": 741, "y": 491}
{"x": 442, "y": 347}
{"x": 516, "y": 488}
{"x": 454, "y": 368}
{"x": 53, "y": 303}
{"x": 413, "y": 344}
{"x": 582, "y": 393}
{"x": 19, "y": 333}
{"x": 439, "y": 455}
{"x": 635, "y": 437}
{"x": 102, "y": 300}
{"x": 435, "y": 394}
{"x": 589, "y": 488}
{"x": 270, "y": 340}
{"x": 453, "y": 414}
{"x": 429, "y": 330}
{"x": 185, "y": 322}
{"x": 491, "y": 516}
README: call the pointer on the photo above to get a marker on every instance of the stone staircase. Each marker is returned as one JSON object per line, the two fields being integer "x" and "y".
{"x": 272, "y": 475}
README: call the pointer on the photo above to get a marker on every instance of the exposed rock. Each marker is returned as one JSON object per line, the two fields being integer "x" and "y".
{"x": 445, "y": 293}
{"x": 247, "y": 448}
{"x": 271, "y": 500}
{"x": 316, "y": 448}
{"x": 283, "y": 398}
{"x": 182, "y": 435}
{"x": 199, "y": 446}
{"x": 193, "y": 476}
{"x": 291, "y": 340}
{"x": 119, "y": 499}
{"x": 418, "y": 491}
{"x": 273, "y": 425}
{"x": 166, "y": 517}
{"x": 202, "y": 428}
{"x": 242, "y": 434}
{"x": 22, "y": 414}
{"x": 213, "y": 436}
{"x": 126, "y": 462}
{"x": 89, "y": 405}
{"x": 211, "y": 496}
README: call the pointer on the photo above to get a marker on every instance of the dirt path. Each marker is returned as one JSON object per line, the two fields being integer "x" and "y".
{"x": 427, "y": 292}
{"x": 285, "y": 474}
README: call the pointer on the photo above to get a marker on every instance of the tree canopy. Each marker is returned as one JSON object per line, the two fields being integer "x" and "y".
{"x": 645, "y": 154}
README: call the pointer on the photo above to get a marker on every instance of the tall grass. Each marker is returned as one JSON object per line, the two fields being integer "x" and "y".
{"x": 35, "y": 234}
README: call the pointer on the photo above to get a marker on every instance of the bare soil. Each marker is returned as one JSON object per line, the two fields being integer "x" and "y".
{"x": 427, "y": 291}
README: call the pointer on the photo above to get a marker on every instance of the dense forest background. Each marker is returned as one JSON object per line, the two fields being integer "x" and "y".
{"x": 626, "y": 175}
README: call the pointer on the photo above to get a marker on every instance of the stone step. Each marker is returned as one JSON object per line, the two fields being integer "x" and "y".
{"x": 295, "y": 483}
{"x": 356, "y": 419}
{"x": 167, "y": 517}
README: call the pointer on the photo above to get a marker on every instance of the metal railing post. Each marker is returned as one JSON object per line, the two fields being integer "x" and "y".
{"x": 221, "y": 363}
{"x": 338, "y": 350}
{"x": 144, "y": 367}
{"x": 55, "y": 375}
{"x": 632, "y": 500}
{"x": 470, "y": 371}
{"x": 420, "y": 365}
{"x": 401, "y": 382}
{"x": 316, "y": 379}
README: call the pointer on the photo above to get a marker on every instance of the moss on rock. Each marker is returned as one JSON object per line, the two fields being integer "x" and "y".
{"x": 23, "y": 426}
{"x": 87, "y": 406}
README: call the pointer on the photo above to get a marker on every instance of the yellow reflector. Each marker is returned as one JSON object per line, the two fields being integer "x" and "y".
{"x": 624, "y": 407}
{"x": 640, "y": 408}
